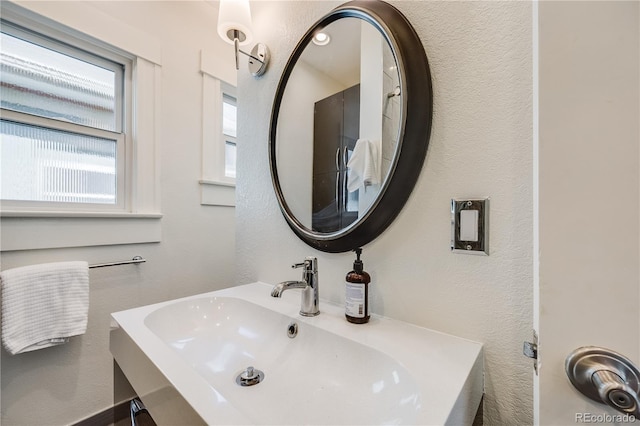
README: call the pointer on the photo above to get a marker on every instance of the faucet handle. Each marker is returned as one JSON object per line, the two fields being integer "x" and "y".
{"x": 299, "y": 265}
{"x": 310, "y": 264}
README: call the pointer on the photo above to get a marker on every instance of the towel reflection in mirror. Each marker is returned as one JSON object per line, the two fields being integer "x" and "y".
{"x": 364, "y": 165}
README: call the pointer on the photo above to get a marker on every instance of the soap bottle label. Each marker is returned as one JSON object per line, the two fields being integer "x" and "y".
{"x": 354, "y": 300}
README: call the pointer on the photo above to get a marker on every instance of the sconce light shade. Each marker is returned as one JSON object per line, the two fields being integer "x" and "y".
{"x": 234, "y": 27}
{"x": 235, "y": 15}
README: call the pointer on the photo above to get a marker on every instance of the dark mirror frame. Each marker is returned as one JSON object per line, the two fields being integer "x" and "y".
{"x": 415, "y": 126}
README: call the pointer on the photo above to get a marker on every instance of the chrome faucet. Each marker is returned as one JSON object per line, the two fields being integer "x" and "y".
{"x": 309, "y": 286}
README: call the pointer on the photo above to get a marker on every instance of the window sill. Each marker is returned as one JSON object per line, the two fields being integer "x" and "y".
{"x": 217, "y": 193}
{"x": 106, "y": 215}
{"x": 46, "y": 230}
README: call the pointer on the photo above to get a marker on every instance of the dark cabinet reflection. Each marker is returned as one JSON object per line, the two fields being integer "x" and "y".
{"x": 336, "y": 129}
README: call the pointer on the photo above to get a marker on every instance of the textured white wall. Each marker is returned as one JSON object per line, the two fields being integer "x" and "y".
{"x": 481, "y": 145}
{"x": 65, "y": 384}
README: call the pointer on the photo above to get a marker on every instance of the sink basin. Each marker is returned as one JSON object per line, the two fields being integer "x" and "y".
{"x": 220, "y": 336}
{"x": 331, "y": 372}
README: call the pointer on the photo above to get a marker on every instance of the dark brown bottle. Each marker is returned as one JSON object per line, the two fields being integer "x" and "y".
{"x": 357, "y": 292}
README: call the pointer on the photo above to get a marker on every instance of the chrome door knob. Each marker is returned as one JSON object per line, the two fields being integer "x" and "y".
{"x": 605, "y": 376}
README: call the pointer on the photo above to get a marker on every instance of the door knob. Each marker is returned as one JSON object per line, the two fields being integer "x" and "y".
{"x": 605, "y": 376}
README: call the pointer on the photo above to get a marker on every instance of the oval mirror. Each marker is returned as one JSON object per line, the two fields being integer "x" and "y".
{"x": 350, "y": 125}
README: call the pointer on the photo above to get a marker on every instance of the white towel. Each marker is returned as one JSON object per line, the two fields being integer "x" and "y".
{"x": 43, "y": 305}
{"x": 364, "y": 165}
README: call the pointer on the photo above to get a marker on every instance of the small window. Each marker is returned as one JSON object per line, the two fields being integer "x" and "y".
{"x": 63, "y": 126}
{"x": 219, "y": 132}
{"x": 229, "y": 130}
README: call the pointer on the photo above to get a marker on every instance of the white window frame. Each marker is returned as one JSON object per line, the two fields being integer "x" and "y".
{"x": 138, "y": 219}
{"x": 82, "y": 50}
{"x": 216, "y": 188}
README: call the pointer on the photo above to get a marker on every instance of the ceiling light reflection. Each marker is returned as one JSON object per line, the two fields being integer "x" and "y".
{"x": 321, "y": 39}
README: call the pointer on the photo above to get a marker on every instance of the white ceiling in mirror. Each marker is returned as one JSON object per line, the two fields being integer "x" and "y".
{"x": 336, "y": 58}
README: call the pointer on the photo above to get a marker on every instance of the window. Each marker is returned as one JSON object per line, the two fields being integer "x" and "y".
{"x": 229, "y": 125}
{"x": 219, "y": 132}
{"x": 63, "y": 127}
{"x": 75, "y": 168}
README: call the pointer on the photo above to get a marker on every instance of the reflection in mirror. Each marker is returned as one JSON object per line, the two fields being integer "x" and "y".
{"x": 338, "y": 127}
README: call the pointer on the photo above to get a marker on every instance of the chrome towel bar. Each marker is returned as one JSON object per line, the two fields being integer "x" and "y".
{"x": 136, "y": 260}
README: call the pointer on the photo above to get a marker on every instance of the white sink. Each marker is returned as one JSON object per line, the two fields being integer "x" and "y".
{"x": 187, "y": 353}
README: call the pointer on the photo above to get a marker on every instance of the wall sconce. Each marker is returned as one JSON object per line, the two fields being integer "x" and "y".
{"x": 234, "y": 27}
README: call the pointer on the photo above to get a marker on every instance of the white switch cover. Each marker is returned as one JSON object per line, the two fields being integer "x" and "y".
{"x": 469, "y": 225}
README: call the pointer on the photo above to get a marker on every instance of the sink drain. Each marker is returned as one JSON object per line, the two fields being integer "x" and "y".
{"x": 250, "y": 377}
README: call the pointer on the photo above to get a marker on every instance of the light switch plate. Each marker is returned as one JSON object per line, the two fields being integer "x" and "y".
{"x": 473, "y": 209}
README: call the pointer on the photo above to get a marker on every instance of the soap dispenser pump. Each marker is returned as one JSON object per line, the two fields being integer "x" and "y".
{"x": 357, "y": 292}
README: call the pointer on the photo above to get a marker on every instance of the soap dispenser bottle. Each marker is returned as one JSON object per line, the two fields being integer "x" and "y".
{"x": 357, "y": 292}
